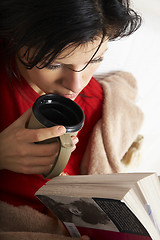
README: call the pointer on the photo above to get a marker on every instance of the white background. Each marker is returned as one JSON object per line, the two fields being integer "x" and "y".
{"x": 140, "y": 55}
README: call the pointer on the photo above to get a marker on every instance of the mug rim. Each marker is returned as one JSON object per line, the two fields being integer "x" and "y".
{"x": 66, "y": 102}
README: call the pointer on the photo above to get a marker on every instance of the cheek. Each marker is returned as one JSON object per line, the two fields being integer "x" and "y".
{"x": 96, "y": 66}
{"x": 41, "y": 77}
{"x": 86, "y": 78}
{"x": 90, "y": 71}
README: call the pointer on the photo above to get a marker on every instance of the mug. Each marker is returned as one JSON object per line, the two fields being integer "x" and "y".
{"x": 51, "y": 110}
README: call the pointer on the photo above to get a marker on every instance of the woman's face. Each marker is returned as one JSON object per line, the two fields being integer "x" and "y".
{"x": 59, "y": 77}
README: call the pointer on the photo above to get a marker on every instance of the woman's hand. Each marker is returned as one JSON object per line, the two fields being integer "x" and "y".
{"x": 19, "y": 153}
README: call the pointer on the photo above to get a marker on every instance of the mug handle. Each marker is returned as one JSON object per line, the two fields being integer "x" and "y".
{"x": 66, "y": 146}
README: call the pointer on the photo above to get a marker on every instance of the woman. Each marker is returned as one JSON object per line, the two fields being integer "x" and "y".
{"x": 50, "y": 47}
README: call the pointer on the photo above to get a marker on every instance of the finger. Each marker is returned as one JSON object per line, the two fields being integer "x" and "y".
{"x": 36, "y": 169}
{"x": 74, "y": 148}
{"x": 46, "y": 150}
{"x": 26, "y": 168}
{"x": 38, "y": 161}
{"x": 75, "y": 140}
{"x": 37, "y": 135}
{"x": 43, "y": 150}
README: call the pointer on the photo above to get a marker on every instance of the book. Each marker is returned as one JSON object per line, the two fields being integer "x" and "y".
{"x": 120, "y": 206}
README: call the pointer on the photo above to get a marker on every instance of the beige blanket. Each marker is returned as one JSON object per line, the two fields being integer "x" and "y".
{"x": 113, "y": 147}
{"x": 115, "y": 144}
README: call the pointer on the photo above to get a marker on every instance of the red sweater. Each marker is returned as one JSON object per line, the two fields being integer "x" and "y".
{"x": 15, "y": 99}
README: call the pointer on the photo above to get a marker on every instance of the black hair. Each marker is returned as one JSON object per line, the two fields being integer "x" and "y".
{"x": 49, "y": 26}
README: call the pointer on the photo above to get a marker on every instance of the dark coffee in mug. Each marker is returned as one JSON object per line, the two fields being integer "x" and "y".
{"x": 52, "y": 109}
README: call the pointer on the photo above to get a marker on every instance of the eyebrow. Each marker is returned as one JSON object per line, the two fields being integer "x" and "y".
{"x": 88, "y": 61}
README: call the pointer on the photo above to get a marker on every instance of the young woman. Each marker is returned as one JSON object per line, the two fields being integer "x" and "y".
{"x": 51, "y": 46}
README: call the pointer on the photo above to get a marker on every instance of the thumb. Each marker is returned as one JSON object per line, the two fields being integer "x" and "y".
{"x": 24, "y": 118}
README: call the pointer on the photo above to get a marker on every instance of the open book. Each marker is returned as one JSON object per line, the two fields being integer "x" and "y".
{"x": 123, "y": 206}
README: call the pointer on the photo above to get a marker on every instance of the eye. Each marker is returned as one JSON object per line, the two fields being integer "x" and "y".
{"x": 54, "y": 66}
{"x": 97, "y": 60}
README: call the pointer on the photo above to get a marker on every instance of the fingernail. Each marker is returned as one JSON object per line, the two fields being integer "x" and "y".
{"x": 73, "y": 148}
{"x": 61, "y": 129}
{"x": 75, "y": 140}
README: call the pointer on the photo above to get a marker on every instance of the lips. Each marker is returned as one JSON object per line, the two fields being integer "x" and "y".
{"x": 70, "y": 96}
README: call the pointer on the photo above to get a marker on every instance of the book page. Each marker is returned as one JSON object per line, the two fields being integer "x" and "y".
{"x": 82, "y": 212}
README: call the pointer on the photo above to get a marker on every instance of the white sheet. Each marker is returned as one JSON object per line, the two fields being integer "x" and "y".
{"x": 140, "y": 54}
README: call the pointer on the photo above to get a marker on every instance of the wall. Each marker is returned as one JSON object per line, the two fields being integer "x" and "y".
{"x": 140, "y": 55}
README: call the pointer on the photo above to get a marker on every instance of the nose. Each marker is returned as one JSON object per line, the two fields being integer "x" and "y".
{"x": 72, "y": 80}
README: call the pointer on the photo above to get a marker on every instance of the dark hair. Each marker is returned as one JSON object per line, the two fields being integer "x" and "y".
{"x": 49, "y": 26}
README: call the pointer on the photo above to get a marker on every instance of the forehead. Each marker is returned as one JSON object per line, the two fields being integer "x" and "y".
{"x": 83, "y": 52}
